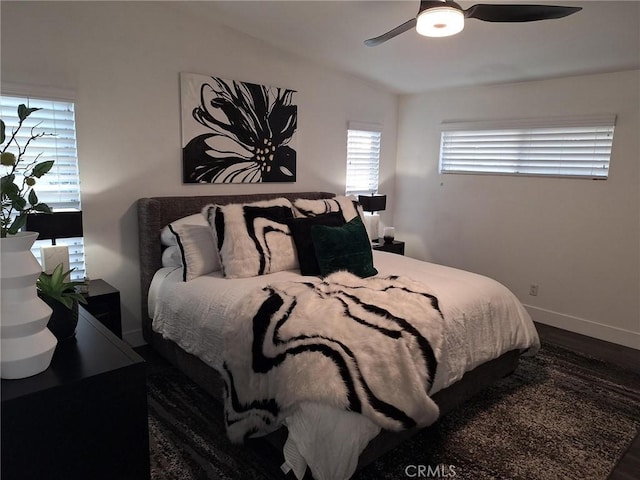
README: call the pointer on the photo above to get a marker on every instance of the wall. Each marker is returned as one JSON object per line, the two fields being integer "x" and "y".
{"x": 121, "y": 61}
{"x": 577, "y": 239}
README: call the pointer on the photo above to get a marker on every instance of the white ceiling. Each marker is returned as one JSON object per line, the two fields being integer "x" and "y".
{"x": 604, "y": 36}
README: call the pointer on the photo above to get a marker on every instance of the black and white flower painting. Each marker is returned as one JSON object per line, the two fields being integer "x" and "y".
{"x": 237, "y": 132}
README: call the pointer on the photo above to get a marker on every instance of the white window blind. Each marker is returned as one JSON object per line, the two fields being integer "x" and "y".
{"x": 559, "y": 147}
{"x": 60, "y": 187}
{"x": 363, "y": 159}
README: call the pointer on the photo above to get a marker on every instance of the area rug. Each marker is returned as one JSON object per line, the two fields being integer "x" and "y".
{"x": 561, "y": 415}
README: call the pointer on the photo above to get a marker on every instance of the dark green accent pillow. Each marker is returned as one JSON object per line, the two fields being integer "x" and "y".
{"x": 301, "y": 232}
{"x": 343, "y": 248}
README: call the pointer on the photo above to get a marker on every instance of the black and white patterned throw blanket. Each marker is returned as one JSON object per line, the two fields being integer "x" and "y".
{"x": 370, "y": 346}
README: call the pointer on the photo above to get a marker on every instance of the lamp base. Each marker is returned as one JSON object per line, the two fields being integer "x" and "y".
{"x": 373, "y": 226}
{"x": 54, "y": 255}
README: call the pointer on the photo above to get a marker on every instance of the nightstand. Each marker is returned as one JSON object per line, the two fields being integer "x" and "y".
{"x": 84, "y": 417}
{"x": 103, "y": 302}
{"x": 394, "y": 247}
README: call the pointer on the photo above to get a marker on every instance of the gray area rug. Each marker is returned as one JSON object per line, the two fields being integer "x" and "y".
{"x": 561, "y": 415}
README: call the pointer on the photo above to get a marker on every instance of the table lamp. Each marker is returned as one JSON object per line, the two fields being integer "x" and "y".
{"x": 373, "y": 204}
{"x": 51, "y": 226}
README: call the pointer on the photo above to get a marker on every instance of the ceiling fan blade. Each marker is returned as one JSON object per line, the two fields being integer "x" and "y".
{"x": 518, "y": 13}
{"x": 408, "y": 25}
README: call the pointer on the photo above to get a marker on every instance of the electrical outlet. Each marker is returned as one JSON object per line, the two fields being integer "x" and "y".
{"x": 533, "y": 289}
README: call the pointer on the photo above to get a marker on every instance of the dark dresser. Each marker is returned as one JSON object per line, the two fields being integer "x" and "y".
{"x": 85, "y": 417}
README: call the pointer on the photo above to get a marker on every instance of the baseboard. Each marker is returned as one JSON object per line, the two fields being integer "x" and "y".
{"x": 607, "y": 333}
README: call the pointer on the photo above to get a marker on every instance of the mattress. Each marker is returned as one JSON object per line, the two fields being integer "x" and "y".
{"x": 482, "y": 320}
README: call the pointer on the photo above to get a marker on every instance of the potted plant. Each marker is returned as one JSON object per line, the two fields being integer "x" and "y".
{"x": 20, "y": 198}
{"x": 27, "y": 345}
{"x": 61, "y": 295}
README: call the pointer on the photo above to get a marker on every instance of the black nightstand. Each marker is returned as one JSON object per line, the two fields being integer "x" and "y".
{"x": 84, "y": 417}
{"x": 103, "y": 302}
{"x": 394, "y": 247}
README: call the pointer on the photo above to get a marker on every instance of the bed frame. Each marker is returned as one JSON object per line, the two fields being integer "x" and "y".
{"x": 154, "y": 213}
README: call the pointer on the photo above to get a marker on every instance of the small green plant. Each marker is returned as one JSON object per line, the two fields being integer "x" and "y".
{"x": 55, "y": 286}
{"x": 19, "y": 199}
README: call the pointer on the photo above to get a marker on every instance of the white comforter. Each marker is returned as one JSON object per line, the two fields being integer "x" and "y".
{"x": 482, "y": 320}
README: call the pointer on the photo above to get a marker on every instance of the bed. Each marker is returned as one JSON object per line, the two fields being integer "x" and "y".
{"x": 485, "y": 328}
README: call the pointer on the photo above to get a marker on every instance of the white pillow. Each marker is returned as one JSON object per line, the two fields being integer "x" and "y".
{"x": 172, "y": 257}
{"x": 167, "y": 237}
{"x": 253, "y": 238}
{"x": 348, "y": 206}
{"x": 196, "y": 246}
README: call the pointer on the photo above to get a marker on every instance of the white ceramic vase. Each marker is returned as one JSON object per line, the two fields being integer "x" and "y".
{"x": 27, "y": 345}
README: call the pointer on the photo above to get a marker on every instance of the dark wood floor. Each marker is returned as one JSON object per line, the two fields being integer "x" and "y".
{"x": 625, "y": 357}
{"x": 628, "y": 467}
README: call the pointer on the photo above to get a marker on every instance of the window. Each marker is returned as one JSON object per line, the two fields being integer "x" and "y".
{"x": 559, "y": 147}
{"x": 60, "y": 187}
{"x": 363, "y": 159}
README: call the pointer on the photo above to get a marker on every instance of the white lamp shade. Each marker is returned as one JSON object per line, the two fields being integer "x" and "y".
{"x": 440, "y": 22}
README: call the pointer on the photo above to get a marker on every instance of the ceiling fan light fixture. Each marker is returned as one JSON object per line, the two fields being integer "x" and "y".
{"x": 440, "y": 22}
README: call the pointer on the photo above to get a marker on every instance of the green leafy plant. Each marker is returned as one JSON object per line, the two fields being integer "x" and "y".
{"x": 55, "y": 286}
{"x": 19, "y": 178}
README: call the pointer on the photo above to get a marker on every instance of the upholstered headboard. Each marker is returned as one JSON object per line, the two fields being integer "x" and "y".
{"x": 156, "y": 212}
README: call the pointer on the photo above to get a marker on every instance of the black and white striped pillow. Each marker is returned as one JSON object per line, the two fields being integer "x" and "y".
{"x": 347, "y": 205}
{"x": 253, "y": 238}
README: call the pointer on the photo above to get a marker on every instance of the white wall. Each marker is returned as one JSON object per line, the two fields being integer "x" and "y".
{"x": 578, "y": 239}
{"x": 122, "y": 60}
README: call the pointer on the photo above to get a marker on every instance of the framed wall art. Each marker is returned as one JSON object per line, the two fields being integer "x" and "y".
{"x": 237, "y": 132}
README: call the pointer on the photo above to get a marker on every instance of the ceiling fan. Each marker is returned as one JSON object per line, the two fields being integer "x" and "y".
{"x": 441, "y": 18}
